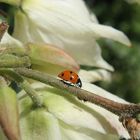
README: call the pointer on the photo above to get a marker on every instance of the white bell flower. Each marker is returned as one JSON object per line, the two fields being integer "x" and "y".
{"x": 66, "y": 24}
{"x": 64, "y": 117}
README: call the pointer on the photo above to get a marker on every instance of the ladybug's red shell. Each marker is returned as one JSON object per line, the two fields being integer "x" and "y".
{"x": 70, "y": 77}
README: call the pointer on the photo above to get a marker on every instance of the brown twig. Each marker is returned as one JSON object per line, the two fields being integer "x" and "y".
{"x": 119, "y": 109}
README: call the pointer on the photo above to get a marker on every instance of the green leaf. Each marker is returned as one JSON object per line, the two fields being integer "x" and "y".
{"x": 9, "y": 120}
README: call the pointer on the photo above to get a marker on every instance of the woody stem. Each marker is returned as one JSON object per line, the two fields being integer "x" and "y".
{"x": 114, "y": 107}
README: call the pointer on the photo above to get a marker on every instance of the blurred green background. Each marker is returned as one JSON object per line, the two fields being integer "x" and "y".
{"x": 122, "y": 16}
{"x": 126, "y": 61}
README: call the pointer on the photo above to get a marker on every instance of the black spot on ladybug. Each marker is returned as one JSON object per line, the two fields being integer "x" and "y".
{"x": 62, "y": 74}
{"x": 71, "y": 72}
{"x": 71, "y": 78}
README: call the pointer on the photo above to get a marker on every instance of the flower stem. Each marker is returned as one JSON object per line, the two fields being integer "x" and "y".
{"x": 16, "y": 50}
{"x": 119, "y": 109}
{"x": 32, "y": 93}
{"x": 23, "y": 84}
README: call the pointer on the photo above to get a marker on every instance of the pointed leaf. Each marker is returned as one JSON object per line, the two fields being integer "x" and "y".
{"x": 94, "y": 75}
{"x": 9, "y": 113}
{"x": 110, "y": 33}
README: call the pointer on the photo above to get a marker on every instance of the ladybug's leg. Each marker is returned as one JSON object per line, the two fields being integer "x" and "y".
{"x": 67, "y": 82}
{"x": 122, "y": 138}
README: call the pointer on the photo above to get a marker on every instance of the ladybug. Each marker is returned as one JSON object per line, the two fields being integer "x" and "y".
{"x": 70, "y": 78}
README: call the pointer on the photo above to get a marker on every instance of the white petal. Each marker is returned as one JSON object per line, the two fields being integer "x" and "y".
{"x": 93, "y": 18}
{"x": 78, "y": 48}
{"x": 110, "y": 33}
{"x": 8, "y": 40}
{"x": 76, "y": 18}
{"x": 110, "y": 117}
{"x": 69, "y": 7}
{"x": 72, "y": 114}
{"x": 94, "y": 75}
{"x": 85, "y": 134}
{"x": 99, "y": 91}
